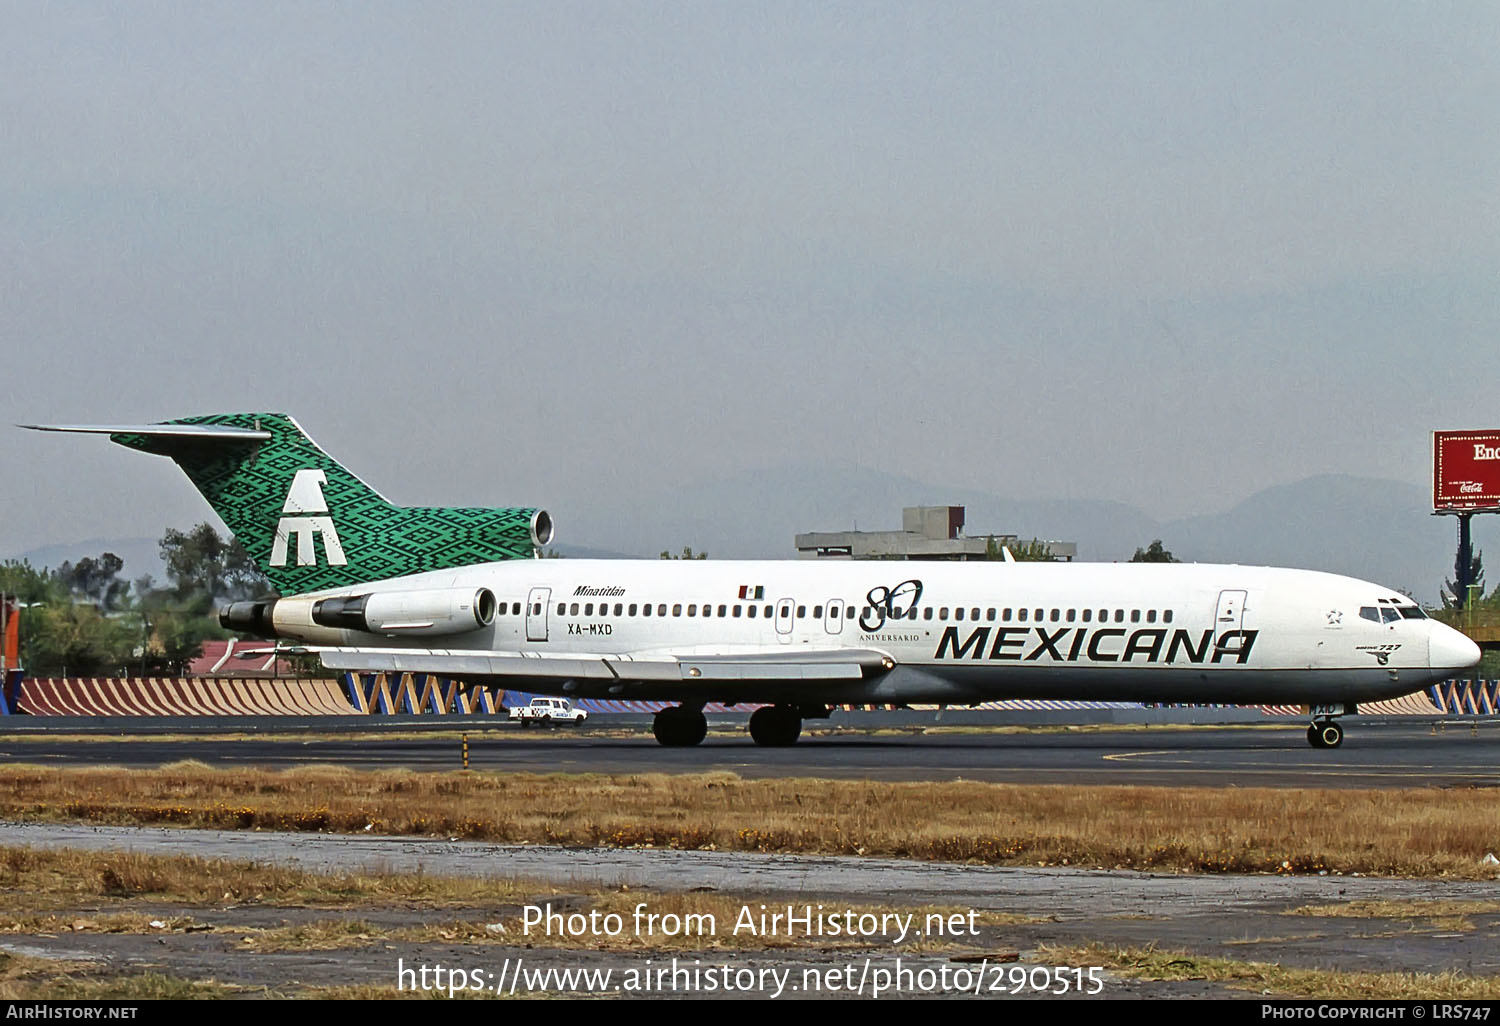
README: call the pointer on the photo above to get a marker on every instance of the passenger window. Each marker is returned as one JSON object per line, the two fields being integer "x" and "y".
{"x": 927, "y": 612}
{"x": 588, "y": 609}
{"x": 722, "y": 610}
{"x": 1021, "y": 615}
{"x": 849, "y": 611}
{"x": 1135, "y": 616}
{"x": 1005, "y": 615}
{"x": 1056, "y": 615}
{"x": 692, "y": 610}
{"x": 1119, "y": 616}
{"x": 1150, "y": 616}
{"x": 1040, "y": 615}
{"x": 646, "y": 609}
{"x": 1166, "y": 616}
{"x": 738, "y": 610}
{"x": 943, "y": 613}
{"x": 632, "y": 608}
{"x": 817, "y": 612}
{"x": 768, "y": 612}
{"x": 562, "y": 609}
{"x": 801, "y": 612}
{"x": 677, "y": 609}
{"x": 959, "y": 613}
{"x": 1072, "y": 615}
{"x": 574, "y": 609}
{"x": 974, "y": 614}
{"x": 750, "y": 612}
{"x": 989, "y": 614}
{"x": 661, "y": 609}
{"x": 1088, "y": 616}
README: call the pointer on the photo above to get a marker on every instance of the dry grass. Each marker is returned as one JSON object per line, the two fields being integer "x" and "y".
{"x": 1152, "y": 964}
{"x": 386, "y": 991}
{"x": 1414, "y": 832}
{"x": 34, "y": 882}
{"x": 39, "y": 979}
{"x": 45, "y": 889}
{"x": 1380, "y": 909}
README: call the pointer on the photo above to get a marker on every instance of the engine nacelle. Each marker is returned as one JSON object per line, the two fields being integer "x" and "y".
{"x": 250, "y": 617}
{"x": 429, "y": 612}
{"x": 426, "y": 612}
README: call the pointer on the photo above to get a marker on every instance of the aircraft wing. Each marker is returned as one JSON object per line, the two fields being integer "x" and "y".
{"x": 762, "y": 665}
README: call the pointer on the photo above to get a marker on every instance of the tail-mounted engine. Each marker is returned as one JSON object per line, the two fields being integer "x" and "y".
{"x": 428, "y": 612}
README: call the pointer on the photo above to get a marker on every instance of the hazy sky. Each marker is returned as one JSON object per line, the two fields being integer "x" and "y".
{"x": 572, "y": 253}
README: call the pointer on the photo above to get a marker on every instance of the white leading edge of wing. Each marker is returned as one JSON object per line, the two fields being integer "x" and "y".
{"x": 836, "y": 664}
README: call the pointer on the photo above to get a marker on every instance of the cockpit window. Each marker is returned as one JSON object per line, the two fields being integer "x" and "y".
{"x": 1369, "y": 613}
{"x": 1388, "y": 614}
{"x": 1413, "y": 613}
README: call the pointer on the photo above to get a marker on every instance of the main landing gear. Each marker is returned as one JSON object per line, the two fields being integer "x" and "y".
{"x": 1325, "y": 734}
{"x": 679, "y": 726}
{"x": 776, "y": 726}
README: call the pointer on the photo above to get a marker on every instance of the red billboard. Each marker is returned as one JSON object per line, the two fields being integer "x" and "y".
{"x": 1465, "y": 470}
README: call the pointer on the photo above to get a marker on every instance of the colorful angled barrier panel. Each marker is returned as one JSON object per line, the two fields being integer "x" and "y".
{"x": 1467, "y": 697}
{"x": 181, "y": 696}
{"x": 387, "y": 694}
{"x": 380, "y": 694}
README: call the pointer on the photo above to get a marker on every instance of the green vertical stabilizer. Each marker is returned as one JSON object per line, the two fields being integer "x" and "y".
{"x": 311, "y": 525}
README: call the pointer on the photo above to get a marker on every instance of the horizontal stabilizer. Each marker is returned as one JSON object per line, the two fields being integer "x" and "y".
{"x": 186, "y": 432}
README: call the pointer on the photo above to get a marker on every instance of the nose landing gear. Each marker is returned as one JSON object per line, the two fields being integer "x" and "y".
{"x": 1325, "y": 734}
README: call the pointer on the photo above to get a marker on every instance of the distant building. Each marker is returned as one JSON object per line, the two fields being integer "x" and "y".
{"x": 927, "y": 532}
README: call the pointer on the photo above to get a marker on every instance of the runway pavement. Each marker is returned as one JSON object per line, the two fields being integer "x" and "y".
{"x": 1376, "y": 753}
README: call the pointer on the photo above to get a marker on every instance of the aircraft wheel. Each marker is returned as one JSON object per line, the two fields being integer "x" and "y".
{"x": 775, "y": 726}
{"x": 1331, "y": 734}
{"x": 1313, "y": 737}
{"x": 676, "y": 727}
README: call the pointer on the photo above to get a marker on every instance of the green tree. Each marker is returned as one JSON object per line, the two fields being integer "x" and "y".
{"x": 1034, "y": 551}
{"x": 199, "y": 562}
{"x": 95, "y": 579}
{"x": 20, "y": 578}
{"x": 687, "y": 553}
{"x": 1154, "y": 553}
{"x": 176, "y": 639}
{"x": 1452, "y": 595}
{"x": 75, "y": 639}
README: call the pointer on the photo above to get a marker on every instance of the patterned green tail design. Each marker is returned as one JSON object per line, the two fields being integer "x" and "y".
{"x": 334, "y": 530}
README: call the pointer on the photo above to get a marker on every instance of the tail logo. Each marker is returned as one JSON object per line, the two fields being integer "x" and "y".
{"x": 304, "y": 515}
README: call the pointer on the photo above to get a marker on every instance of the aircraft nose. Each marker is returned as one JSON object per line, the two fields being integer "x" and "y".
{"x": 1450, "y": 649}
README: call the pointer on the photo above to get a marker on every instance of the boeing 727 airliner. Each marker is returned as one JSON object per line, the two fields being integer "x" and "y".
{"x": 371, "y": 586}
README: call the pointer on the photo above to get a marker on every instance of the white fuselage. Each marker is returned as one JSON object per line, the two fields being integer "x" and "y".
{"x": 953, "y": 632}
